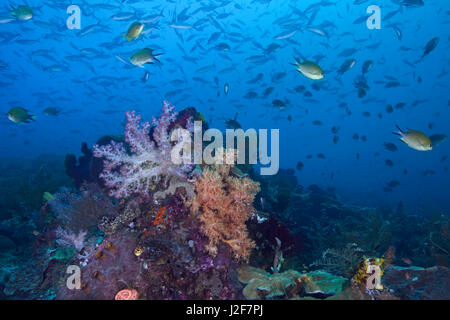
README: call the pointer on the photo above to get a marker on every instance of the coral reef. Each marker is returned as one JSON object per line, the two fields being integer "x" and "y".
{"x": 166, "y": 231}
{"x": 151, "y": 249}
{"x": 324, "y": 224}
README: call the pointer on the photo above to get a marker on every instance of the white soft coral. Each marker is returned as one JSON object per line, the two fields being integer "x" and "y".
{"x": 149, "y": 161}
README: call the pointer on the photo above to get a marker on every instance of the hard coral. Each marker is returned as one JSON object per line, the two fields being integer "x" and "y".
{"x": 288, "y": 284}
{"x": 126, "y": 174}
{"x": 223, "y": 204}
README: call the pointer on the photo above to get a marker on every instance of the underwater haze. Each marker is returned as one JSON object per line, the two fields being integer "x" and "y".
{"x": 359, "y": 90}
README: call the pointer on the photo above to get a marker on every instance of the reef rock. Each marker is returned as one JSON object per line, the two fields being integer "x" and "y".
{"x": 414, "y": 283}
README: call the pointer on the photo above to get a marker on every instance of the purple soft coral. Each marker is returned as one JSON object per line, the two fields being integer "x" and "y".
{"x": 125, "y": 173}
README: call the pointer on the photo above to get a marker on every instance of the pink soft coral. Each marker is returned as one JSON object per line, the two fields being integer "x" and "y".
{"x": 125, "y": 173}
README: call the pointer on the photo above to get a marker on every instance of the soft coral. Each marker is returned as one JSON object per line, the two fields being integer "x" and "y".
{"x": 223, "y": 204}
{"x": 126, "y": 174}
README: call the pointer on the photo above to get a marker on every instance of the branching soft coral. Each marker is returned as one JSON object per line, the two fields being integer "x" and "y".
{"x": 70, "y": 239}
{"x": 150, "y": 160}
{"x": 223, "y": 204}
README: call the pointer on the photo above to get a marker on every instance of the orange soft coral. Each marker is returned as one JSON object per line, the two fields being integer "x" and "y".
{"x": 223, "y": 204}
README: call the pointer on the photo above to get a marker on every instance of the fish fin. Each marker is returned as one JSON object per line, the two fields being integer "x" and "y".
{"x": 297, "y": 61}
{"x": 402, "y": 141}
{"x": 32, "y": 117}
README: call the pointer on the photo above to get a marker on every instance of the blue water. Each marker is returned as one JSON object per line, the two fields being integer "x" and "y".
{"x": 44, "y": 64}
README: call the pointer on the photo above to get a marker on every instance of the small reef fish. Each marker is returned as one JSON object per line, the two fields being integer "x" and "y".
{"x": 367, "y": 66}
{"x": 413, "y": 3}
{"x": 309, "y": 69}
{"x": 415, "y": 139}
{"x": 346, "y": 66}
{"x": 176, "y": 26}
{"x": 134, "y": 31}
{"x": 233, "y": 123}
{"x": 430, "y": 46}
{"x": 22, "y": 13}
{"x": 277, "y": 103}
{"x": 145, "y": 77}
{"x": 226, "y": 88}
{"x": 52, "y": 111}
{"x": 285, "y": 35}
{"x": 19, "y": 115}
{"x": 144, "y": 56}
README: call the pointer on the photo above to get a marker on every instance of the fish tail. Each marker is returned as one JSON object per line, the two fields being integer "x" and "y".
{"x": 156, "y": 55}
{"x": 400, "y": 132}
{"x": 32, "y": 117}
